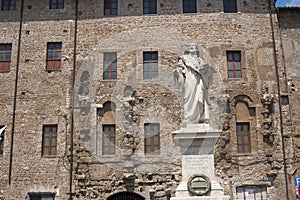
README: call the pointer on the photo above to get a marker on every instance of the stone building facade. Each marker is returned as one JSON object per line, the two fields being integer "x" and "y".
{"x": 88, "y": 101}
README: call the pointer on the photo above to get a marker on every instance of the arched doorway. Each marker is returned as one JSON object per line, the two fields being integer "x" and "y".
{"x": 126, "y": 196}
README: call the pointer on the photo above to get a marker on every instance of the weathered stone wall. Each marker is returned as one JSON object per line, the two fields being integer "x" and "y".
{"x": 45, "y": 98}
{"x": 290, "y": 27}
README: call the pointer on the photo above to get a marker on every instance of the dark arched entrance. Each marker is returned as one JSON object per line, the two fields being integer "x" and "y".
{"x": 126, "y": 196}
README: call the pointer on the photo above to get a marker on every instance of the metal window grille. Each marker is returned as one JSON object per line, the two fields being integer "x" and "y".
{"x": 150, "y": 65}
{"x": 152, "y": 138}
{"x": 150, "y": 6}
{"x": 49, "y": 140}
{"x": 243, "y": 137}
{"x": 5, "y": 56}
{"x": 110, "y": 66}
{"x": 189, "y": 6}
{"x": 54, "y": 55}
{"x": 234, "y": 64}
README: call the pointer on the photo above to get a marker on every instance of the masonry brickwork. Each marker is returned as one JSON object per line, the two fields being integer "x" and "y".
{"x": 45, "y": 97}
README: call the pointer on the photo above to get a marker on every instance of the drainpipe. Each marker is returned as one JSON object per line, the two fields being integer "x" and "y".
{"x": 15, "y": 95}
{"x": 280, "y": 104}
{"x": 73, "y": 102}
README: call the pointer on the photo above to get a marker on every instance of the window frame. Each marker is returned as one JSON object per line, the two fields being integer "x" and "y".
{"x": 152, "y": 63}
{"x": 10, "y": 6}
{"x": 230, "y": 6}
{"x": 56, "y": 4}
{"x": 52, "y": 136}
{"x": 149, "y": 8}
{"x": 2, "y": 137}
{"x": 254, "y": 187}
{"x": 7, "y": 50}
{"x": 241, "y": 142}
{"x": 108, "y": 5}
{"x": 109, "y": 141}
{"x": 41, "y": 196}
{"x": 190, "y": 8}
{"x": 54, "y": 63}
{"x": 113, "y": 59}
{"x": 235, "y": 62}
{"x": 149, "y": 139}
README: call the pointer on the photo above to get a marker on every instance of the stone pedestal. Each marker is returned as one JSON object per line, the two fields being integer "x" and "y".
{"x": 197, "y": 145}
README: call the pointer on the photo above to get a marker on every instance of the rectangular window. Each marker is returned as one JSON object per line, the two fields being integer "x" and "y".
{"x": 5, "y": 56}
{"x": 56, "y": 4}
{"x": 2, "y": 130}
{"x": 110, "y": 7}
{"x": 54, "y": 55}
{"x": 150, "y": 65}
{"x": 49, "y": 146}
{"x": 152, "y": 138}
{"x": 230, "y": 6}
{"x": 110, "y": 66}
{"x": 189, "y": 6}
{"x": 41, "y": 196}
{"x": 8, "y": 5}
{"x": 243, "y": 137}
{"x": 251, "y": 193}
{"x": 150, "y": 6}
{"x": 109, "y": 139}
{"x": 234, "y": 64}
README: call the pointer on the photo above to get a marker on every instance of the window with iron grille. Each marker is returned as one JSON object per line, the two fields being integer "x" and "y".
{"x": 234, "y": 64}
{"x": 243, "y": 137}
{"x": 110, "y": 7}
{"x": 109, "y": 139}
{"x": 56, "y": 4}
{"x": 150, "y": 6}
{"x": 150, "y": 65}
{"x": 49, "y": 146}
{"x": 41, "y": 196}
{"x": 8, "y": 5}
{"x": 251, "y": 193}
{"x": 5, "y": 56}
{"x": 2, "y": 130}
{"x": 152, "y": 138}
{"x": 110, "y": 66}
{"x": 230, "y": 6}
{"x": 54, "y": 55}
{"x": 189, "y": 6}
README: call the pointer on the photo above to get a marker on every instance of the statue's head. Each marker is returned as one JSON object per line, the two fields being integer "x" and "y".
{"x": 193, "y": 50}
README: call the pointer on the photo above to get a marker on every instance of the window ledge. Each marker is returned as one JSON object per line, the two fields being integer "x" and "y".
{"x": 53, "y": 70}
{"x": 4, "y": 71}
{"x": 49, "y": 157}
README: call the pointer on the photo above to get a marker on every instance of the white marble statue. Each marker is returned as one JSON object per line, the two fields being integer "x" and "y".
{"x": 194, "y": 77}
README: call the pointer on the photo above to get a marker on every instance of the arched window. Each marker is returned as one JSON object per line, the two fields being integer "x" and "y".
{"x": 244, "y": 122}
{"x": 126, "y": 196}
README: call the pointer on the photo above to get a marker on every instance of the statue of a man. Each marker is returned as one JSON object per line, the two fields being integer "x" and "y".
{"x": 194, "y": 77}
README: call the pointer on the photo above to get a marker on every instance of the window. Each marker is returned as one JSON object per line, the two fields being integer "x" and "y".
{"x": 109, "y": 138}
{"x": 189, "y": 6}
{"x": 5, "y": 56}
{"x": 41, "y": 196}
{"x": 234, "y": 64}
{"x": 150, "y": 6}
{"x": 49, "y": 140}
{"x": 8, "y": 4}
{"x": 152, "y": 138}
{"x": 230, "y": 6}
{"x": 243, "y": 137}
{"x": 2, "y": 130}
{"x": 150, "y": 61}
{"x": 110, "y": 66}
{"x": 110, "y": 7}
{"x": 53, "y": 55}
{"x": 251, "y": 193}
{"x": 56, "y": 4}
